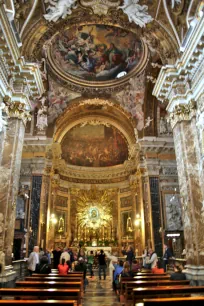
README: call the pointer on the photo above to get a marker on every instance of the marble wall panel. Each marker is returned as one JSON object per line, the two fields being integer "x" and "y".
{"x": 34, "y": 211}
{"x": 156, "y": 214}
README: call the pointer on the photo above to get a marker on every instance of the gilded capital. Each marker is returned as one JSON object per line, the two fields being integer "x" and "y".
{"x": 182, "y": 112}
{"x": 16, "y": 110}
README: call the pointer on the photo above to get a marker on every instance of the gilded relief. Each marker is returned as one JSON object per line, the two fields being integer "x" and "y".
{"x": 100, "y": 146}
{"x": 96, "y": 52}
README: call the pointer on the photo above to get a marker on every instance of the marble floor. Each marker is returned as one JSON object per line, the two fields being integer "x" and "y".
{"x": 99, "y": 292}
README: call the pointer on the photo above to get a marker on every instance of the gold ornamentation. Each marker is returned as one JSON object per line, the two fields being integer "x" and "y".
{"x": 96, "y": 101}
{"x": 100, "y": 7}
{"x": 182, "y": 112}
{"x": 95, "y": 122}
{"x": 16, "y": 110}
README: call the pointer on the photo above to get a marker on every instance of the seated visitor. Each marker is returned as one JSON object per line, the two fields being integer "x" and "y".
{"x": 63, "y": 268}
{"x": 178, "y": 274}
{"x": 44, "y": 267}
{"x": 126, "y": 272}
{"x": 135, "y": 266}
{"x": 118, "y": 269}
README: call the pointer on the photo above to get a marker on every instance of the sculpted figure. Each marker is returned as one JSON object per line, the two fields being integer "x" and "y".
{"x": 59, "y": 8}
{"x": 136, "y": 13}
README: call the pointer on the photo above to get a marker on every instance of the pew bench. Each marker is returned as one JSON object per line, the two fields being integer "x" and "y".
{"x": 38, "y": 302}
{"x": 130, "y": 285}
{"x": 140, "y": 278}
{"x": 50, "y": 284}
{"x": 165, "y": 291}
{"x": 54, "y": 278}
{"x": 42, "y": 294}
{"x": 180, "y": 301}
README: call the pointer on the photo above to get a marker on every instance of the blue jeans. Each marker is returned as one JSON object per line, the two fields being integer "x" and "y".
{"x": 102, "y": 268}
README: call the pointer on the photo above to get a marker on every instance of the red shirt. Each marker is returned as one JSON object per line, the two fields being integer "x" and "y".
{"x": 63, "y": 269}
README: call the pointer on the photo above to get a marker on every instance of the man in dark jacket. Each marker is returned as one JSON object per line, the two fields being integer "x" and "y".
{"x": 102, "y": 264}
{"x": 166, "y": 256}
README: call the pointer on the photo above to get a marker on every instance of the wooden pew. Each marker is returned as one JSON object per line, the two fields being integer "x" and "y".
{"x": 54, "y": 278}
{"x": 152, "y": 292}
{"x": 130, "y": 285}
{"x": 50, "y": 284}
{"x": 182, "y": 301}
{"x": 143, "y": 278}
{"x": 57, "y": 274}
{"x": 38, "y": 302}
{"x": 149, "y": 274}
{"x": 151, "y": 277}
{"x": 34, "y": 293}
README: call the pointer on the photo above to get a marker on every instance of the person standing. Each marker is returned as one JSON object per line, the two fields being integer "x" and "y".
{"x": 153, "y": 259}
{"x": 102, "y": 264}
{"x": 56, "y": 257}
{"x": 90, "y": 261}
{"x": 33, "y": 260}
{"x": 63, "y": 268}
{"x": 166, "y": 256}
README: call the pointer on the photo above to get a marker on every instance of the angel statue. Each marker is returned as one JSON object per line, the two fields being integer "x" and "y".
{"x": 136, "y": 13}
{"x": 59, "y": 8}
{"x": 42, "y": 115}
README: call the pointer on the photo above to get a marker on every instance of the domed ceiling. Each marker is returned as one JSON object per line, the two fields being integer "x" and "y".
{"x": 96, "y": 52}
{"x": 101, "y": 146}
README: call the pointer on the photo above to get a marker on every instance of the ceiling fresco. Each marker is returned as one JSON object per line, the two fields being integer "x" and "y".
{"x": 96, "y": 52}
{"x": 98, "y": 146}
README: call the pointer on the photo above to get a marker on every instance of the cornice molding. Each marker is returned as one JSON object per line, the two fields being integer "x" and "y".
{"x": 183, "y": 82}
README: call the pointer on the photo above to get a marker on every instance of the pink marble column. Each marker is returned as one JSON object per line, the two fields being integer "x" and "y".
{"x": 10, "y": 172}
{"x": 191, "y": 182}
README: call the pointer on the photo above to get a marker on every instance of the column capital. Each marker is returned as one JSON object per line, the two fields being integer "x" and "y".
{"x": 16, "y": 110}
{"x": 182, "y": 112}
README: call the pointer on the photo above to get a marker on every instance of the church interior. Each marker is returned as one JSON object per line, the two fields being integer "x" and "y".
{"x": 102, "y": 128}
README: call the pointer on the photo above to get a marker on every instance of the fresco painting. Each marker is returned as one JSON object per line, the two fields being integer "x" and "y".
{"x": 98, "y": 146}
{"x": 96, "y": 52}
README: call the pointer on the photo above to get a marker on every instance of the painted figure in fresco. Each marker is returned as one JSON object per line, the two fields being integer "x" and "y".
{"x": 136, "y": 13}
{"x": 91, "y": 53}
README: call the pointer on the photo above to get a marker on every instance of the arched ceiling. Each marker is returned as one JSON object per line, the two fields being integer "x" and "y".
{"x": 83, "y": 45}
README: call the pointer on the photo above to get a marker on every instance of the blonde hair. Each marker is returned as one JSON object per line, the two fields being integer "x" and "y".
{"x": 126, "y": 266}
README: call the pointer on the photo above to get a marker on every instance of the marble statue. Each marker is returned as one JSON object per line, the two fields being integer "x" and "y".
{"x": 3, "y": 122}
{"x": 136, "y": 13}
{"x": 147, "y": 122}
{"x": 173, "y": 2}
{"x": 42, "y": 116}
{"x": 162, "y": 126}
{"x": 59, "y": 8}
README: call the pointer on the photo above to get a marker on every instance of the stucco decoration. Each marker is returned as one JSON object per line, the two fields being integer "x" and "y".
{"x": 136, "y": 13}
{"x": 132, "y": 99}
{"x": 58, "y": 97}
{"x": 174, "y": 2}
{"x": 173, "y": 212}
{"x": 100, "y": 7}
{"x": 59, "y": 9}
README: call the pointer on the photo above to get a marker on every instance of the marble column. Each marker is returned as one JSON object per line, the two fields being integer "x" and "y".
{"x": 10, "y": 172}
{"x": 44, "y": 208}
{"x": 191, "y": 182}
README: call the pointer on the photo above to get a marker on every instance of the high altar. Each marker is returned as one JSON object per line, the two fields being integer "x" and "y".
{"x": 92, "y": 206}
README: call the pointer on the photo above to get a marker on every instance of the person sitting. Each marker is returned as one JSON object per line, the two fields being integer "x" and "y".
{"x": 178, "y": 274}
{"x": 44, "y": 267}
{"x": 126, "y": 270}
{"x": 118, "y": 269}
{"x": 63, "y": 268}
{"x": 135, "y": 266}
